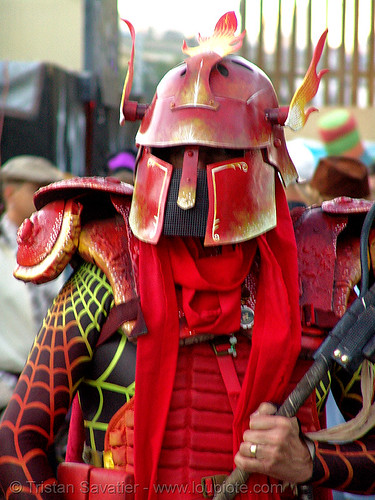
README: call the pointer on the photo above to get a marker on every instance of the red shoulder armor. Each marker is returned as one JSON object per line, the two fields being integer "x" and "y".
{"x": 63, "y": 222}
{"x": 81, "y": 215}
{"x": 328, "y": 244}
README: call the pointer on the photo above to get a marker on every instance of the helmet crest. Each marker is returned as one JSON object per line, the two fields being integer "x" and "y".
{"x": 222, "y": 42}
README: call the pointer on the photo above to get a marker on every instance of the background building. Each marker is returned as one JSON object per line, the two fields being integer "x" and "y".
{"x": 63, "y": 63}
{"x": 60, "y": 86}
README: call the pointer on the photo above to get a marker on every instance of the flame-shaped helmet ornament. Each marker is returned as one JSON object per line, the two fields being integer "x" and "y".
{"x": 221, "y": 101}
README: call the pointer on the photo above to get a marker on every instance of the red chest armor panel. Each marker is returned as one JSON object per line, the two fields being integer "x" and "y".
{"x": 198, "y": 436}
{"x": 199, "y": 426}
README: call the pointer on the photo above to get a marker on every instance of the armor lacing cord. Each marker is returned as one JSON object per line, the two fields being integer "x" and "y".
{"x": 359, "y": 425}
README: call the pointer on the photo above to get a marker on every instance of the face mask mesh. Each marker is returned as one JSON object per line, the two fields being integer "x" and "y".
{"x": 191, "y": 222}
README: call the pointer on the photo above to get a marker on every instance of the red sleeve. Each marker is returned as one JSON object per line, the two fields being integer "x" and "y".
{"x": 346, "y": 467}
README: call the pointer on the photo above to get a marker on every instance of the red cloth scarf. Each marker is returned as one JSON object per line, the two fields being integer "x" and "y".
{"x": 211, "y": 293}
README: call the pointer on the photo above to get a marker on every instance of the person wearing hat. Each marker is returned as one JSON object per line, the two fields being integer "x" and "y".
{"x": 22, "y": 306}
{"x": 334, "y": 176}
{"x": 347, "y": 169}
{"x": 340, "y": 176}
{"x": 122, "y": 165}
{"x": 340, "y": 135}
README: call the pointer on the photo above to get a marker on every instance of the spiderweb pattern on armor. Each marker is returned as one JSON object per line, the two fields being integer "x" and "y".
{"x": 103, "y": 385}
{"x": 344, "y": 462}
{"x": 322, "y": 391}
{"x": 347, "y": 390}
{"x": 55, "y": 367}
{"x": 345, "y": 459}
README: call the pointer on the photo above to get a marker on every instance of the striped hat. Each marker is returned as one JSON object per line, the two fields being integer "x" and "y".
{"x": 339, "y": 132}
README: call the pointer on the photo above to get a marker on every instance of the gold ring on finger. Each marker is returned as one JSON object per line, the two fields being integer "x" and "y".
{"x": 253, "y": 450}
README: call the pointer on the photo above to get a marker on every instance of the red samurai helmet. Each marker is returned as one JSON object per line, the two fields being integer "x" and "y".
{"x": 221, "y": 107}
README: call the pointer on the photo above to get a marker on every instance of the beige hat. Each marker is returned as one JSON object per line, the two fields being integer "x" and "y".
{"x": 30, "y": 169}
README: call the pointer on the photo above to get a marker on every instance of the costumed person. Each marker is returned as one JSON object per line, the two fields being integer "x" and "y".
{"x": 182, "y": 316}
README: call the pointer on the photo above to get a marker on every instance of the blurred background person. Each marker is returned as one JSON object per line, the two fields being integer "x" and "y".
{"x": 347, "y": 170}
{"x": 333, "y": 177}
{"x": 344, "y": 167}
{"x": 340, "y": 135}
{"x": 121, "y": 165}
{"x": 339, "y": 132}
{"x": 22, "y": 305}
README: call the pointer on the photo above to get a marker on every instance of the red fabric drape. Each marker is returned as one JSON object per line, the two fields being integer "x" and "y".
{"x": 276, "y": 336}
{"x": 211, "y": 291}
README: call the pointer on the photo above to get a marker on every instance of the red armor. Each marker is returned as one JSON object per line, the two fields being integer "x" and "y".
{"x": 320, "y": 309}
{"x": 336, "y": 224}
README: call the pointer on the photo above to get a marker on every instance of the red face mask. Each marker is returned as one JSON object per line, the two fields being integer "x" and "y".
{"x": 241, "y": 195}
